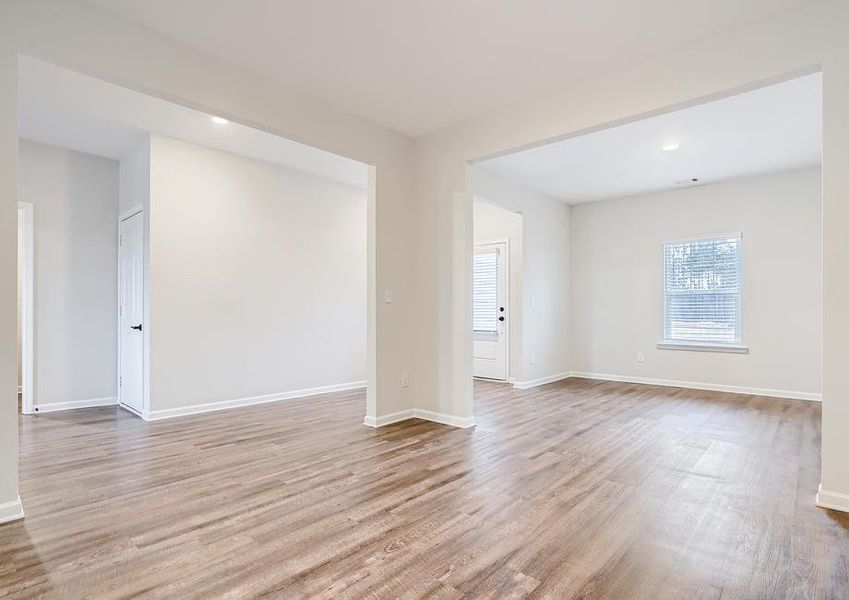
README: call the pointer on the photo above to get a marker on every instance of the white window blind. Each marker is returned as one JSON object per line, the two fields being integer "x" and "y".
{"x": 701, "y": 284}
{"x": 485, "y": 293}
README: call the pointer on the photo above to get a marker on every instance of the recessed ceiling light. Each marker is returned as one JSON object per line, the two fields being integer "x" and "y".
{"x": 220, "y": 120}
{"x": 670, "y": 147}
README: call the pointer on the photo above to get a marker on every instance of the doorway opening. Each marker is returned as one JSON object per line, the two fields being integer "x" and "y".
{"x": 656, "y": 250}
{"x": 25, "y": 308}
{"x": 496, "y": 284}
{"x": 174, "y": 249}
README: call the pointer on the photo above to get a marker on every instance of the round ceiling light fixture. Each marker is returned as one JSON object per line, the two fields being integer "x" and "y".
{"x": 220, "y": 120}
{"x": 669, "y": 147}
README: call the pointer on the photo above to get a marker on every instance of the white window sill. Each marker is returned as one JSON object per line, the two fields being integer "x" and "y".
{"x": 697, "y": 347}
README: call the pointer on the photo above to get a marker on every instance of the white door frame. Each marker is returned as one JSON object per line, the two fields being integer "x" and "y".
{"x": 121, "y": 218}
{"x": 27, "y": 307}
{"x": 507, "y": 292}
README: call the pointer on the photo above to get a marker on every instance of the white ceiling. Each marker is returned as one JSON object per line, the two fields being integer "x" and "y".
{"x": 419, "y": 65}
{"x": 63, "y": 108}
{"x": 769, "y": 129}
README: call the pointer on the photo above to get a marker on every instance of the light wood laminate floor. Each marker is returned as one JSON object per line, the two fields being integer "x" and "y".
{"x": 576, "y": 489}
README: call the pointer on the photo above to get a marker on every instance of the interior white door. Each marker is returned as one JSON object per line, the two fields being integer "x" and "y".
{"x": 490, "y": 282}
{"x": 131, "y": 311}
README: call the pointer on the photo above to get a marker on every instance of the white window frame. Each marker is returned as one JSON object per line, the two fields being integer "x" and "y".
{"x": 695, "y": 345}
{"x": 498, "y": 259}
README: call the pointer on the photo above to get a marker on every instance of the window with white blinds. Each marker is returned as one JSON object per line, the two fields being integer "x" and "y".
{"x": 485, "y": 293}
{"x": 701, "y": 284}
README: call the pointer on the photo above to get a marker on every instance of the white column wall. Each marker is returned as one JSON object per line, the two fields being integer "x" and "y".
{"x": 9, "y": 502}
{"x": 834, "y": 491}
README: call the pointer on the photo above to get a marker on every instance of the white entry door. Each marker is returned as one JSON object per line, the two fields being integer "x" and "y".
{"x": 131, "y": 309}
{"x": 489, "y": 342}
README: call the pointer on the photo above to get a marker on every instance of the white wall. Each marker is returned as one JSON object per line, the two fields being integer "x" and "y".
{"x": 492, "y": 222}
{"x": 10, "y": 505}
{"x": 617, "y": 282}
{"x": 545, "y": 276}
{"x": 75, "y": 198}
{"x": 258, "y": 278}
{"x": 135, "y": 177}
{"x": 834, "y": 485}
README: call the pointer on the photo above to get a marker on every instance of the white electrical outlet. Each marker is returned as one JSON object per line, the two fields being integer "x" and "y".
{"x": 641, "y": 357}
{"x": 387, "y": 297}
{"x": 533, "y": 359}
{"x": 405, "y": 381}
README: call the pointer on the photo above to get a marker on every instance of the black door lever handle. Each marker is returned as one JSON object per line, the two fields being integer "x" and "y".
{"x": 136, "y": 327}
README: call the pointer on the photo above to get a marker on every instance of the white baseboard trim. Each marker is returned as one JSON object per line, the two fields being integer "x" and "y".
{"x": 793, "y": 395}
{"x": 182, "y": 411}
{"x": 693, "y": 385}
{"x": 11, "y": 511}
{"x": 526, "y": 385}
{"x": 452, "y": 420}
{"x": 87, "y": 403}
{"x": 401, "y": 415}
{"x": 418, "y": 413}
{"x": 832, "y": 500}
